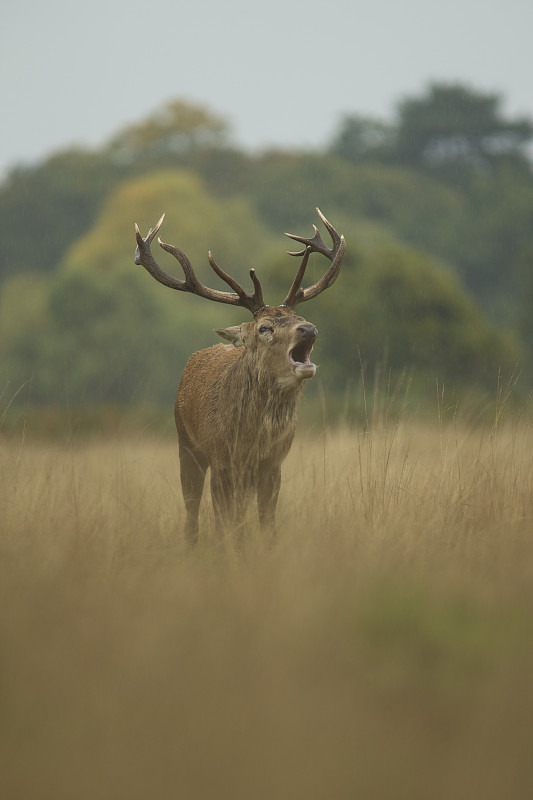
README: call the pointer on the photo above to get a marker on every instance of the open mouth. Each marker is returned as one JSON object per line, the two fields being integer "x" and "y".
{"x": 300, "y": 361}
{"x": 299, "y": 355}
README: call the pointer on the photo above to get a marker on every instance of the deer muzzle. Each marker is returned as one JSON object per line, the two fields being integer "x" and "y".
{"x": 299, "y": 354}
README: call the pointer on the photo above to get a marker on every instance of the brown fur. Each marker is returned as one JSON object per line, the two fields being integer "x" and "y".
{"x": 236, "y": 413}
{"x": 236, "y": 405}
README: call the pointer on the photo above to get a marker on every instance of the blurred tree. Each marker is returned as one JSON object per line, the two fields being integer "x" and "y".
{"x": 288, "y": 187}
{"x": 361, "y": 138}
{"x": 396, "y": 306}
{"x": 495, "y": 238}
{"x": 24, "y": 322}
{"x": 463, "y": 194}
{"x": 186, "y": 135}
{"x": 45, "y": 208}
{"x": 525, "y": 315}
{"x": 464, "y": 191}
{"x": 417, "y": 315}
{"x": 452, "y": 124}
{"x": 177, "y": 129}
{"x": 101, "y": 329}
{"x": 225, "y": 171}
{"x": 418, "y": 208}
{"x": 195, "y": 221}
{"x": 96, "y": 339}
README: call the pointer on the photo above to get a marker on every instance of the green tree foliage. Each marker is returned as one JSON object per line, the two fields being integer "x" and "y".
{"x": 195, "y": 221}
{"x": 397, "y": 307}
{"x": 44, "y": 209}
{"x": 186, "y": 135}
{"x": 101, "y": 329}
{"x": 97, "y": 339}
{"x": 416, "y": 314}
{"x": 440, "y": 199}
{"x": 179, "y": 128}
{"x": 496, "y": 237}
{"x": 452, "y": 124}
{"x": 416, "y": 207}
{"x": 286, "y": 183}
{"x": 464, "y": 190}
{"x": 24, "y": 321}
{"x": 362, "y": 138}
{"x": 525, "y": 317}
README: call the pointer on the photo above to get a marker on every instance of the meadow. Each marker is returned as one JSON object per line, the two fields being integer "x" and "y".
{"x": 382, "y": 648}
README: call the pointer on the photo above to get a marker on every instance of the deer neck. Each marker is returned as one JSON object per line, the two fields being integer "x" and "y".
{"x": 263, "y": 395}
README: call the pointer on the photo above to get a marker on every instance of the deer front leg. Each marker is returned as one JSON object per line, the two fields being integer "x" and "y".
{"x": 230, "y": 495}
{"x": 223, "y": 497}
{"x": 193, "y": 467}
{"x": 268, "y": 486}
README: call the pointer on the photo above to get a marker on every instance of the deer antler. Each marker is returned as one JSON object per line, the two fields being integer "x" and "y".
{"x": 143, "y": 256}
{"x": 316, "y": 245}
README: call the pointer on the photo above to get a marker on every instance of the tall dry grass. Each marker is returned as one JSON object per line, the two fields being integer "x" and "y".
{"x": 382, "y": 649}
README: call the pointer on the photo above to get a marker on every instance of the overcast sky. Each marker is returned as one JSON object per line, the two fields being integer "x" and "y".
{"x": 282, "y": 72}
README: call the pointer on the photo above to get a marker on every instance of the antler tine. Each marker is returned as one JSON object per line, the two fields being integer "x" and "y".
{"x": 316, "y": 245}
{"x": 335, "y": 237}
{"x": 144, "y": 257}
{"x": 148, "y": 240}
{"x": 191, "y": 280}
{"x": 254, "y": 302}
{"x": 295, "y": 290}
{"x": 226, "y": 277}
{"x": 258, "y": 291}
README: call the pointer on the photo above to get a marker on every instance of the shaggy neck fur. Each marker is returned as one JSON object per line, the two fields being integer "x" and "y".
{"x": 266, "y": 409}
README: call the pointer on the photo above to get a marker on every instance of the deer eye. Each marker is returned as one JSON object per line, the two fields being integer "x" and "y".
{"x": 266, "y": 329}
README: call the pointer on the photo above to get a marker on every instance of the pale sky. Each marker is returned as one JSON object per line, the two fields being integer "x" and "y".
{"x": 282, "y": 72}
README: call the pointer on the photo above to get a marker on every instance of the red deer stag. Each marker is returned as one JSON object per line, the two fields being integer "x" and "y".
{"x": 236, "y": 403}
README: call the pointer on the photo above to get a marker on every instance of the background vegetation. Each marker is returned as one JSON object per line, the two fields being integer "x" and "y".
{"x": 383, "y": 648}
{"x": 437, "y": 207}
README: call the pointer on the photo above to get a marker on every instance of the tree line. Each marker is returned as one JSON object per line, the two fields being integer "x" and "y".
{"x": 436, "y": 206}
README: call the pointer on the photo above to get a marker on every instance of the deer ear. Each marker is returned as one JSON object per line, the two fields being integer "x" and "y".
{"x": 232, "y": 334}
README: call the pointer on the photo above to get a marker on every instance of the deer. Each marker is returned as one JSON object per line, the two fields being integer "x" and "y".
{"x": 236, "y": 404}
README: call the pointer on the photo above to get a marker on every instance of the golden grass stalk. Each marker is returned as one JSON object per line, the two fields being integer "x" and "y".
{"x": 381, "y": 649}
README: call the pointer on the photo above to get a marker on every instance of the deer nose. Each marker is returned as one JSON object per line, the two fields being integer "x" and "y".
{"x": 307, "y": 332}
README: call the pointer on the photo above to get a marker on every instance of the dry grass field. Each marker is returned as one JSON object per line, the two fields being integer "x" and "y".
{"x": 382, "y": 649}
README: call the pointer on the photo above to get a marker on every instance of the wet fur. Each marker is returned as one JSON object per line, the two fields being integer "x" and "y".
{"x": 236, "y": 414}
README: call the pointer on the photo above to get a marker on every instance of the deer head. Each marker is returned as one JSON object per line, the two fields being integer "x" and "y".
{"x": 279, "y": 340}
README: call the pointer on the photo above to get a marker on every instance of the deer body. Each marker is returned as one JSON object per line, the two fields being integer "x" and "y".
{"x": 236, "y": 404}
{"x": 236, "y": 413}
